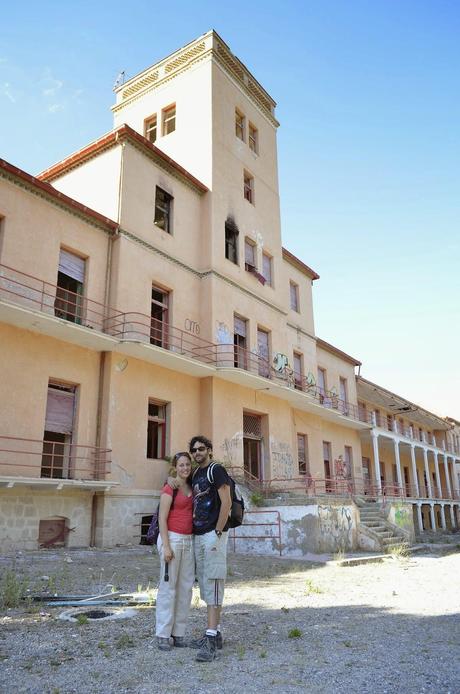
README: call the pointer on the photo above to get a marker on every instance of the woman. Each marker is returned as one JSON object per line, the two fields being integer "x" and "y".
{"x": 175, "y": 546}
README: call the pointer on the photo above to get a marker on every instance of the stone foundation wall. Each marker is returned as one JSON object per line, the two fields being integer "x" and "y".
{"x": 310, "y": 529}
{"x": 119, "y": 518}
{"x": 21, "y": 510}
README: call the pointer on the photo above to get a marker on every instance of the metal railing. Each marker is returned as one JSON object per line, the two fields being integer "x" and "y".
{"x": 53, "y": 459}
{"x": 139, "y": 327}
{"x": 36, "y": 294}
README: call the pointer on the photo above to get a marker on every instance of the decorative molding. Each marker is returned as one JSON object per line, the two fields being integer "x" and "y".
{"x": 208, "y": 45}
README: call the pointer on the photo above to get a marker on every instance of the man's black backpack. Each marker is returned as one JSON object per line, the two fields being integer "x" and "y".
{"x": 237, "y": 510}
{"x": 154, "y": 528}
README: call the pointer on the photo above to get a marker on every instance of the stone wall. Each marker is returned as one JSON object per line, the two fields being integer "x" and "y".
{"x": 309, "y": 529}
{"x": 22, "y": 508}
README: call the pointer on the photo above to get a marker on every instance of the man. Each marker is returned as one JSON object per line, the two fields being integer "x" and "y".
{"x": 211, "y": 508}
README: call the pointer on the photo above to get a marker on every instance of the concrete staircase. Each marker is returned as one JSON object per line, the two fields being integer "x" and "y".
{"x": 374, "y": 525}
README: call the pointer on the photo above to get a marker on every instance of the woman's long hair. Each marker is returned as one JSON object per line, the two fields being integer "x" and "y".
{"x": 183, "y": 454}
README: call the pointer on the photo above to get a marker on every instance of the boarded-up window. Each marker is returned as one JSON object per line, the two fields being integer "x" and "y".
{"x": 267, "y": 268}
{"x": 263, "y": 348}
{"x": 298, "y": 377}
{"x": 52, "y": 532}
{"x": 239, "y": 340}
{"x": 294, "y": 296}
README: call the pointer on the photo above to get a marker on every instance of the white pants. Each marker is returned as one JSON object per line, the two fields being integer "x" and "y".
{"x": 174, "y": 596}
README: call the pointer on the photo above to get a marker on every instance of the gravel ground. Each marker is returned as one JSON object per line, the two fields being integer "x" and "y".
{"x": 385, "y": 627}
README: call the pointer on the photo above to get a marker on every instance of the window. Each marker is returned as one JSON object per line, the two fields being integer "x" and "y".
{"x": 362, "y": 411}
{"x": 59, "y": 421}
{"x": 348, "y": 461}
{"x": 252, "y": 445}
{"x": 239, "y": 125}
{"x": 302, "y": 454}
{"x": 263, "y": 350}
{"x": 69, "y": 293}
{"x": 298, "y": 371}
{"x": 163, "y": 210}
{"x": 239, "y": 341}
{"x": 169, "y": 120}
{"x": 249, "y": 254}
{"x": 150, "y": 128}
{"x": 390, "y": 421}
{"x": 343, "y": 403}
{"x": 253, "y": 139}
{"x": 159, "y": 317}
{"x": 231, "y": 241}
{"x": 327, "y": 466}
{"x": 248, "y": 187}
{"x": 321, "y": 383}
{"x": 378, "y": 421}
{"x": 294, "y": 296}
{"x": 156, "y": 430}
{"x": 267, "y": 268}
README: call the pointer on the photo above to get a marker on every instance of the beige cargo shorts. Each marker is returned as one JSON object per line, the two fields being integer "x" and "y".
{"x": 211, "y": 566}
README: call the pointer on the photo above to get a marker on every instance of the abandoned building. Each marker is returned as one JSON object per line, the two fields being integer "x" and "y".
{"x": 145, "y": 296}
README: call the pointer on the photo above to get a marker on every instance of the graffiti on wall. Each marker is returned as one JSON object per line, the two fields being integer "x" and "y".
{"x": 282, "y": 460}
{"x": 403, "y": 516}
{"x": 230, "y": 449}
{"x": 342, "y": 468}
{"x": 223, "y": 334}
{"x": 336, "y": 522}
{"x": 192, "y": 326}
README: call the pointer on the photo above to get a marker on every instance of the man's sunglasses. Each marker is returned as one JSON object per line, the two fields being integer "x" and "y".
{"x": 199, "y": 448}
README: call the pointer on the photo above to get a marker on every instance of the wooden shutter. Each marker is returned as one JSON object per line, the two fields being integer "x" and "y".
{"x": 240, "y": 327}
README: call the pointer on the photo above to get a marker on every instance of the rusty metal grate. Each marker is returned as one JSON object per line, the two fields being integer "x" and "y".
{"x": 252, "y": 426}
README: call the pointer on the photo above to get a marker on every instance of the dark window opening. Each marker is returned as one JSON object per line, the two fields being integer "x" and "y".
{"x": 69, "y": 299}
{"x": 159, "y": 318}
{"x": 156, "y": 430}
{"x": 145, "y": 525}
{"x": 231, "y": 240}
{"x": 163, "y": 210}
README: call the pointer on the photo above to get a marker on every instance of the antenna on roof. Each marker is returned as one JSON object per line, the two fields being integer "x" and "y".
{"x": 120, "y": 80}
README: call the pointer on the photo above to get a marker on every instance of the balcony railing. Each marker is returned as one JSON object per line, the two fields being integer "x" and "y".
{"x": 39, "y": 458}
{"x": 142, "y": 328}
{"x": 38, "y": 295}
{"x": 34, "y": 293}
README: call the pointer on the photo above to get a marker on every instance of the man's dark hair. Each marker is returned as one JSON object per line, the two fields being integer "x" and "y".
{"x": 200, "y": 439}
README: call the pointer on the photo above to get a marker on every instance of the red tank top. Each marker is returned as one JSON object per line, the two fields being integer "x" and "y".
{"x": 180, "y": 518}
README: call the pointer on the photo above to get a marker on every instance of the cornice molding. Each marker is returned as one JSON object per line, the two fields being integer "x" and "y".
{"x": 209, "y": 45}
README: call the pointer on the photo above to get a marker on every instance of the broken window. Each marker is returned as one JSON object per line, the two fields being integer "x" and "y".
{"x": 302, "y": 454}
{"x": 267, "y": 268}
{"x": 252, "y": 445}
{"x": 169, "y": 119}
{"x": 150, "y": 128}
{"x": 327, "y": 466}
{"x": 60, "y": 411}
{"x": 69, "y": 292}
{"x": 156, "y": 429}
{"x": 249, "y": 254}
{"x": 159, "y": 317}
{"x": 298, "y": 371}
{"x": 231, "y": 240}
{"x": 294, "y": 296}
{"x": 239, "y": 125}
{"x": 163, "y": 210}
{"x": 253, "y": 139}
{"x": 248, "y": 187}
{"x": 239, "y": 340}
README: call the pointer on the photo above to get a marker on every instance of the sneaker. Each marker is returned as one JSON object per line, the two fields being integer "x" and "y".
{"x": 180, "y": 642}
{"x": 208, "y": 651}
{"x": 199, "y": 643}
{"x": 163, "y": 643}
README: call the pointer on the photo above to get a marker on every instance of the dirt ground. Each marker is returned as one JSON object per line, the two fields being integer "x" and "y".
{"x": 289, "y": 626}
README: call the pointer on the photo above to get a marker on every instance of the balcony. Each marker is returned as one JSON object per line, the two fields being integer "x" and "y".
{"x": 42, "y": 463}
{"x": 412, "y": 433}
{"x": 31, "y": 303}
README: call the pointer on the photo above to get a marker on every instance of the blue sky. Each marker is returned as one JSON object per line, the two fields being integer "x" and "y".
{"x": 369, "y": 147}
